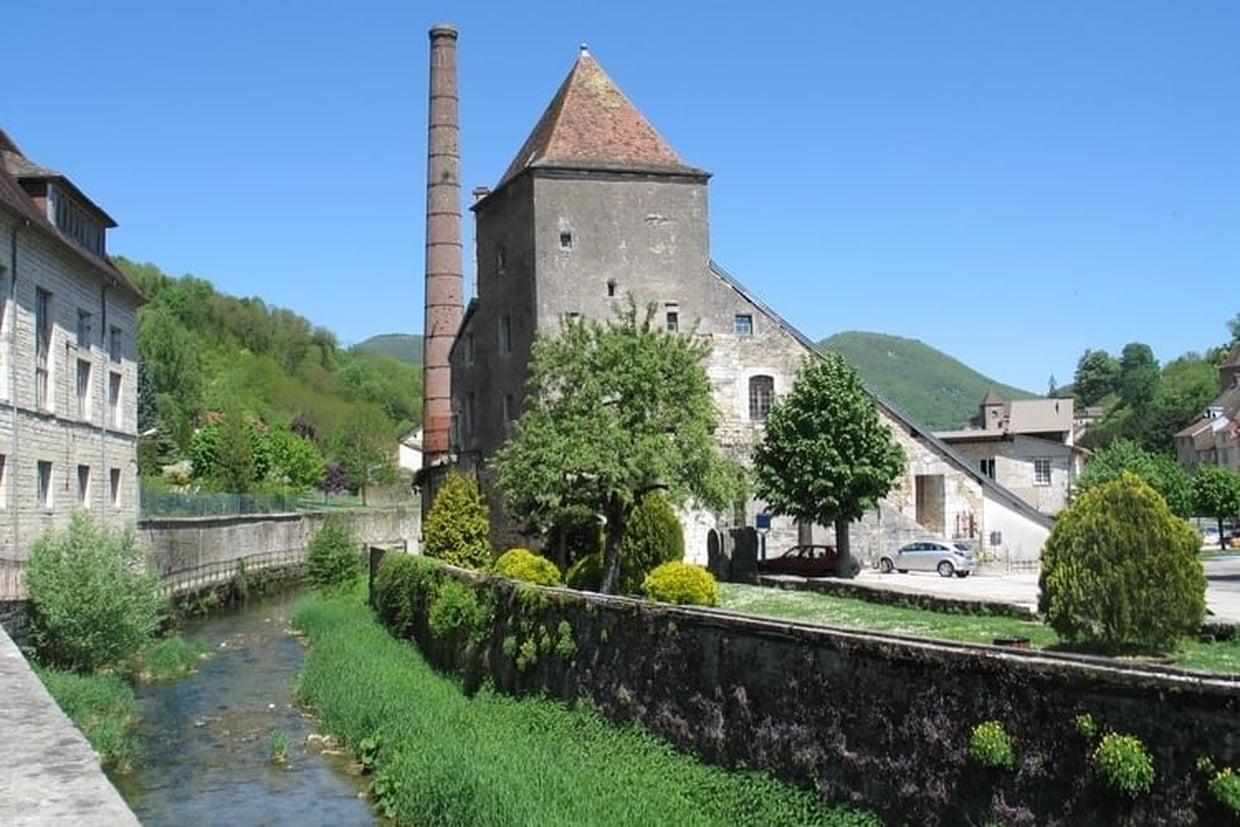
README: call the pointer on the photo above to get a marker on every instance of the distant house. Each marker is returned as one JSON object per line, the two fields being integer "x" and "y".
{"x": 409, "y": 451}
{"x": 1214, "y": 437}
{"x": 1026, "y": 445}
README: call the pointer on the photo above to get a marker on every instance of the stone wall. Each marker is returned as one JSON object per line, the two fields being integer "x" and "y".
{"x": 881, "y": 721}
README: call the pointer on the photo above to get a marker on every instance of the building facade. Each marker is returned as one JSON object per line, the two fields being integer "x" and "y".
{"x": 68, "y": 360}
{"x": 1214, "y": 437}
{"x": 596, "y": 207}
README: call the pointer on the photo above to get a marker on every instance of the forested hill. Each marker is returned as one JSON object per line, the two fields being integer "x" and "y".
{"x": 407, "y": 347}
{"x": 205, "y": 350}
{"x": 935, "y": 389}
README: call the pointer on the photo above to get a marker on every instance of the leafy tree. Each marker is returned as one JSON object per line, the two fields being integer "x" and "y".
{"x": 654, "y": 536}
{"x": 235, "y": 468}
{"x": 295, "y": 461}
{"x": 1233, "y": 327}
{"x": 1216, "y": 493}
{"x": 1159, "y": 471}
{"x": 365, "y": 448}
{"x": 826, "y": 456}
{"x": 614, "y": 411}
{"x": 1097, "y": 377}
{"x": 334, "y": 556}
{"x": 1138, "y": 375}
{"x": 1188, "y": 385}
{"x": 457, "y": 527}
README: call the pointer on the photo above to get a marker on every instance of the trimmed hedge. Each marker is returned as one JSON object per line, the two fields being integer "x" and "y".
{"x": 523, "y": 564}
{"x": 682, "y": 583}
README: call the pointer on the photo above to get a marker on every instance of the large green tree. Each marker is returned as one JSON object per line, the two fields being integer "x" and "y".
{"x": 1138, "y": 375}
{"x": 826, "y": 456}
{"x": 1096, "y": 377}
{"x": 1216, "y": 493}
{"x": 614, "y": 410}
{"x": 1159, "y": 471}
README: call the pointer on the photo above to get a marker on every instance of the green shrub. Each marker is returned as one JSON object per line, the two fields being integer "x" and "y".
{"x": 1225, "y": 789}
{"x": 1085, "y": 726}
{"x": 295, "y": 461}
{"x": 652, "y": 536}
{"x": 523, "y": 564}
{"x": 1123, "y": 764}
{"x": 91, "y": 602}
{"x": 458, "y": 523}
{"x": 103, "y": 708}
{"x": 586, "y": 575}
{"x": 335, "y": 556}
{"x": 456, "y": 608}
{"x": 991, "y": 746}
{"x": 1120, "y": 571}
{"x": 682, "y": 583}
{"x": 166, "y": 659}
{"x": 402, "y": 583}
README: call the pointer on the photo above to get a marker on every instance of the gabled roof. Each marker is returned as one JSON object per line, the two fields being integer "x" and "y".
{"x": 590, "y": 124}
{"x": 993, "y": 398}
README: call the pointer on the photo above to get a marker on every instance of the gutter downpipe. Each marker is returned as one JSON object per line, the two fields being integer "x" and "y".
{"x": 18, "y": 226}
{"x": 105, "y": 482}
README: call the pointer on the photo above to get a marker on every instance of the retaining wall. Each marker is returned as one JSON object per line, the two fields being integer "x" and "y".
{"x": 881, "y": 721}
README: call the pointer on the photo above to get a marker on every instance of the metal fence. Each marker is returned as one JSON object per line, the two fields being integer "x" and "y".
{"x": 209, "y": 574}
{"x": 155, "y": 502}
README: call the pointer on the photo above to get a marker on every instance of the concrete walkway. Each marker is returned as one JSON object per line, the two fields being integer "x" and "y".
{"x": 49, "y": 775}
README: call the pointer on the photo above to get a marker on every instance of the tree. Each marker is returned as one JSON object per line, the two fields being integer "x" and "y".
{"x": 1052, "y": 388}
{"x": 826, "y": 456}
{"x": 458, "y": 524}
{"x": 1159, "y": 471}
{"x": 1216, "y": 493}
{"x": 1138, "y": 375}
{"x": 295, "y": 461}
{"x": 1233, "y": 327}
{"x": 1097, "y": 376}
{"x": 234, "y": 453}
{"x": 614, "y": 411}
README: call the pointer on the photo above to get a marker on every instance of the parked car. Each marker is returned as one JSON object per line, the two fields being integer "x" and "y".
{"x": 943, "y": 556}
{"x": 807, "y": 561}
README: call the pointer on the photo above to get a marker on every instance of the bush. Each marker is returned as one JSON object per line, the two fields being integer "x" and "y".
{"x": 335, "y": 556}
{"x": 295, "y": 461}
{"x": 458, "y": 523}
{"x": 1120, "y": 571}
{"x": 586, "y": 575}
{"x": 1123, "y": 764}
{"x": 652, "y": 536}
{"x": 523, "y": 564}
{"x": 991, "y": 746}
{"x": 1225, "y": 789}
{"x": 1085, "y": 726}
{"x": 682, "y": 583}
{"x": 456, "y": 608}
{"x": 401, "y": 583}
{"x": 103, "y": 707}
{"x": 91, "y": 602}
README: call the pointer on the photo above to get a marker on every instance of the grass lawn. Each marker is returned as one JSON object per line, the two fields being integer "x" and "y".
{"x": 877, "y": 617}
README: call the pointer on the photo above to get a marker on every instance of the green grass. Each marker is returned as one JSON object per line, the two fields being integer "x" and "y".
{"x": 103, "y": 708}
{"x": 852, "y": 613}
{"x": 443, "y": 757}
{"x": 166, "y": 659}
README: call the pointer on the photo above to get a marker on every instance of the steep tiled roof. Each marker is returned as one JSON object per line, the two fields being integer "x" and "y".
{"x": 591, "y": 124}
{"x": 993, "y": 398}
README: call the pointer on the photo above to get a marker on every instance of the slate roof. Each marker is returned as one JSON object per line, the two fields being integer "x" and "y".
{"x": 993, "y": 398}
{"x": 591, "y": 124}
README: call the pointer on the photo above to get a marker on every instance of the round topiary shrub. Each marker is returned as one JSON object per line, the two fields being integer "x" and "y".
{"x": 991, "y": 746}
{"x": 457, "y": 526}
{"x": 681, "y": 583}
{"x": 1120, "y": 571}
{"x": 1123, "y": 764}
{"x": 92, "y": 604}
{"x": 334, "y": 556}
{"x": 523, "y": 564}
{"x": 586, "y": 575}
{"x": 652, "y": 536}
{"x": 1225, "y": 789}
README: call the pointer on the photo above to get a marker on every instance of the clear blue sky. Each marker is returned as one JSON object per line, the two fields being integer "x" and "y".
{"x": 1009, "y": 182}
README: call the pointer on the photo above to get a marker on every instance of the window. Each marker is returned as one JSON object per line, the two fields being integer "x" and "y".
{"x": 4, "y": 339}
{"x": 501, "y": 263}
{"x": 742, "y": 325}
{"x": 4, "y": 496}
{"x": 114, "y": 399}
{"x": 83, "y": 389}
{"x": 42, "y": 348}
{"x": 45, "y": 484}
{"x": 673, "y": 321}
{"x": 114, "y": 344}
{"x": 114, "y": 482}
{"x": 507, "y": 407}
{"x": 467, "y": 415}
{"x": 1041, "y": 472}
{"x": 469, "y": 348}
{"x": 573, "y": 317}
{"x": 83, "y": 330}
{"x": 566, "y": 241}
{"x": 505, "y": 334}
{"x": 761, "y": 394}
{"x": 611, "y": 288}
{"x": 84, "y": 486}
{"x": 988, "y": 467}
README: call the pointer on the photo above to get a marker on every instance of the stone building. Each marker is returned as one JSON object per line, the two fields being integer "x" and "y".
{"x": 597, "y": 206}
{"x": 1214, "y": 437}
{"x": 68, "y": 369}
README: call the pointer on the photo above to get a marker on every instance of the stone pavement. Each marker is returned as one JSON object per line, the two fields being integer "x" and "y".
{"x": 49, "y": 775}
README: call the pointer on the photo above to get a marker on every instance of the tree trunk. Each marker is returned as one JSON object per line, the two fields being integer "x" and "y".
{"x": 848, "y": 568}
{"x": 1222, "y": 544}
{"x": 613, "y": 533}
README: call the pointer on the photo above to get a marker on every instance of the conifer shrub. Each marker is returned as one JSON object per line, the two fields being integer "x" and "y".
{"x": 1124, "y": 765}
{"x": 457, "y": 526}
{"x": 335, "y": 555}
{"x": 92, "y": 603}
{"x": 652, "y": 536}
{"x": 523, "y": 564}
{"x": 1120, "y": 571}
{"x": 586, "y": 575}
{"x": 682, "y": 583}
{"x": 990, "y": 745}
{"x": 1224, "y": 788}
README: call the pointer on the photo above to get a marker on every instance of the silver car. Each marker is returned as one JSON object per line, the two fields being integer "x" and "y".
{"x": 943, "y": 556}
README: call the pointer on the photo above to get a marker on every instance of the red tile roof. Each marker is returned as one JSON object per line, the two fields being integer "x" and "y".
{"x": 591, "y": 124}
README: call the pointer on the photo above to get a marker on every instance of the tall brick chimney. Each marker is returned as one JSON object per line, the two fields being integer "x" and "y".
{"x": 444, "y": 277}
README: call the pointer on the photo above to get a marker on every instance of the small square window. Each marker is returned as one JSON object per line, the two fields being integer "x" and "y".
{"x": 84, "y": 486}
{"x": 83, "y": 330}
{"x": 611, "y": 288}
{"x": 566, "y": 241}
{"x": 988, "y": 467}
{"x": 114, "y": 481}
{"x": 673, "y": 321}
{"x": 1041, "y": 472}
{"x": 45, "y": 484}
{"x": 501, "y": 263}
{"x": 742, "y": 325}
{"x": 114, "y": 344}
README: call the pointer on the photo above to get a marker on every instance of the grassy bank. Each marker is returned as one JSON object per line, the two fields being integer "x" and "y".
{"x": 444, "y": 758}
{"x": 853, "y": 613}
{"x": 102, "y": 707}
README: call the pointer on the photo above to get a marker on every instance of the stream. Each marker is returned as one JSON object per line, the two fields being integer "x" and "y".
{"x": 207, "y": 738}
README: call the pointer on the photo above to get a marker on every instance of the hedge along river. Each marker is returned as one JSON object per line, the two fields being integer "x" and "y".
{"x": 207, "y": 739}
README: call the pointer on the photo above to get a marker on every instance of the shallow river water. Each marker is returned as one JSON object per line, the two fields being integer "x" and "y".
{"x": 207, "y": 738}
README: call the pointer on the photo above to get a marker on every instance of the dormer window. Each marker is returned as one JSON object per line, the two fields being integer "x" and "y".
{"x": 74, "y": 221}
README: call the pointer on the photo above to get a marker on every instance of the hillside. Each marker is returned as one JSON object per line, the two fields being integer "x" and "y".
{"x": 405, "y": 347}
{"x": 927, "y": 384}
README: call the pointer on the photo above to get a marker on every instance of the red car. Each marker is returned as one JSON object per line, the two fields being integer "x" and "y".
{"x": 806, "y": 561}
